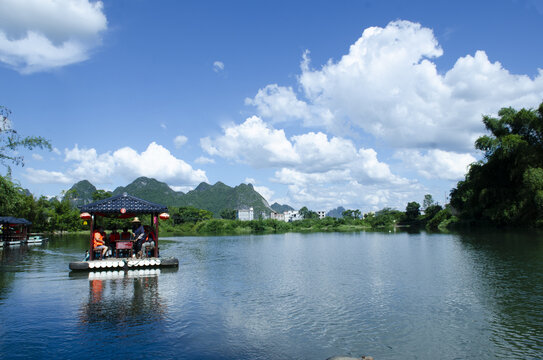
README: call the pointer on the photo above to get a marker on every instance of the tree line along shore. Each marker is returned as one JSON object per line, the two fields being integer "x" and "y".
{"x": 504, "y": 188}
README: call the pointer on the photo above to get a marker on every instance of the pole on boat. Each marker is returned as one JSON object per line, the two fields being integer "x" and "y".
{"x": 156, "y": 233}
{"x": 91, "y": 249}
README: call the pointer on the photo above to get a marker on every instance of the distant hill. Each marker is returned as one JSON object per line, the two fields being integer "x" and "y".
{"x": 281, "y": 208}
{"x": 151, "y": 190}
{"x": 220, "y": 196}
{"x": 205, "y": 196}
{"x": 81, "y": 193}
{"x": 336, "y": 213}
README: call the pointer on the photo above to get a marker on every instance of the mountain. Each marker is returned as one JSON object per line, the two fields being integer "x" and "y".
{"x": 81, "y": 193}
{"x": 151, "y": 190}
{"x": 220, "y": 196}
{"x": 205, "y": 196}
{"x": 281, "y": 208}
{"x": 336, "y": 213}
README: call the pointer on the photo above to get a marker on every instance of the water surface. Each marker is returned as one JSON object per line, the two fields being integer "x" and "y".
{"x": 289, "y": 296}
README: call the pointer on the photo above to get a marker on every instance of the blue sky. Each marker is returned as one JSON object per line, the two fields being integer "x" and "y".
{"x": 363, "y": 104}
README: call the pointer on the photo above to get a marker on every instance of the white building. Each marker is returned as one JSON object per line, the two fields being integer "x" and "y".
{"x": 322, "y": 214}
{"x": 246, "y": 214}
{"x": 292, "y": 215}
{"x": 276, "y": 216}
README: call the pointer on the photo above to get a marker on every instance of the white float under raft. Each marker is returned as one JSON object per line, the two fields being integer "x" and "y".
{"x": 124, "y": 264}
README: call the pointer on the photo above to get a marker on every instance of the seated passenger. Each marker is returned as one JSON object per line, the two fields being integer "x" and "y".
{"x": 149, "y": 244}
{"x": 125, "y": 235}
{"x": 114, "y": 236}
{"x": 99, "y": 243}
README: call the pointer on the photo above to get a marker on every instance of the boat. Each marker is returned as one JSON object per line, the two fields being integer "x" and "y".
{"x": 123, "y": 206}
{"x": 14, "y": 231}
{"x": 36, "y": 239}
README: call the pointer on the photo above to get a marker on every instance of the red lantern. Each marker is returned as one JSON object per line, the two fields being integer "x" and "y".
{"x": 85, "y": 216}
{"x": 123, "y": 211}
{"x": 164, "y": 216}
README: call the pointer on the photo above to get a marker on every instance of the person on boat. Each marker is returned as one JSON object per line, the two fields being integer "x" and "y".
{"x": 114, "y": 236}
{"x": 99, "y": 242}
{"x": 125, "y": 235}
{"x": 149, "y": 243}
{"x": 139, "y": 234}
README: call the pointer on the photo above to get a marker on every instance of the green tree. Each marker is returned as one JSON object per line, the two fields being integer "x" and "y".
{"x": 412, "y": 210}
{"x": 228, "y": 214}
{"x": 10, "y": 141}
{"x": 101, "y": 195}
{"x": 506, "y": 187}
{"x": 427, "y": 202}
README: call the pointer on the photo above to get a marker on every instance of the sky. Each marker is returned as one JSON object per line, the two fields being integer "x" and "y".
{"x": 360, "y": 104}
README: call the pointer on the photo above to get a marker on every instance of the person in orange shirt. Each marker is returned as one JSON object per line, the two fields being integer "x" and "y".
{"x": 99, "y": 242}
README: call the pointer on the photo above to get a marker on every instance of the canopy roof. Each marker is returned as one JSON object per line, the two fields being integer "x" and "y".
{"x": 13, "y": 220}
{"x": 123, "y": 205}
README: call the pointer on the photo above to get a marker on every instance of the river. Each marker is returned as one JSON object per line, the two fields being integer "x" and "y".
{"x": 286, "y": 296}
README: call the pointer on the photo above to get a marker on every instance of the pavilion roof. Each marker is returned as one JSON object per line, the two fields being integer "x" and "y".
{"x": 131, "y": 205}
{"x": 13, "y": 220}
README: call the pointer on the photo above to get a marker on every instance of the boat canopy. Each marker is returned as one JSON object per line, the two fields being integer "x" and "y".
{"x": 123, "y": 206}
{"x": 10, "y": 220}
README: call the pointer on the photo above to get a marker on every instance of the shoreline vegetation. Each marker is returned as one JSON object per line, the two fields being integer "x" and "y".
{"x": 504, "y": 189}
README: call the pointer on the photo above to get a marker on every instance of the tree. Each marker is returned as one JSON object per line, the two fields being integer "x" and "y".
{"x": 101, "y": 195}
{"x": 427, "y": 202}
{"x": 412, "y": 210}
{"x": 228, "y": 214}
{"x": 10, "y": 141}
{"x": 506, "y": 187}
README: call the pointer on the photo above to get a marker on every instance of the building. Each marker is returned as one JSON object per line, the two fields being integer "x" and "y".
{"x": 246, "y": 214}
{"x": 322, "y": 214}
{"x": 292, "y": 215}
{"x": 276, "y": 216}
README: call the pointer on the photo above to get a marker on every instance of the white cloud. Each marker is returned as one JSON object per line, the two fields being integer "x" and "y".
{"x": 218, "y": 66}
{"x": 37, "y": 157}
{"x": 252, "y": 142}
{"x": 184, "y": 189}
{"x": 249, "y": 181}
{"x": 266, "y": 192}
{"x": 388, "y": 86}
{"x": 180, "y": 140}
{"x": 437, "y": 164}
{"x": 204, "y": 160}
{"x": 47, "y": 177}
{"x": 38, "y": 35}
{"x": 56, "y": 151}
{"x": 162, "y": 125}
{"x": 126, "y": 163}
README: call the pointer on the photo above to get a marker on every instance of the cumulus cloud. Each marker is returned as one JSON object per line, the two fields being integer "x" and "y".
{"x": 437, "y": 164}
{"x": 180, "y": 140}
{"x": 37, "y": 157}
{"x": 218, "y": 66}
{"x": 126, "y": 163}
{"x": 303, "y": 160}
{"x": 38, "y": 35}
{"x": 388, "y": 86}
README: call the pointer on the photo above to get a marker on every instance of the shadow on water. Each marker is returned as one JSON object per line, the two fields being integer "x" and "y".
{"x": 509, "y": 266}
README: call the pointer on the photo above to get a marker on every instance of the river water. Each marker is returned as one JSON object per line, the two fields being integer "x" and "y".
{"x": 288, "y": 296}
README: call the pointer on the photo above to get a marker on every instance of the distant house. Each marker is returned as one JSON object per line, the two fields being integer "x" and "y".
{"x": 292, "y": 215}
{"x": 246, "y": 214}
{"x": 264, "y": 215}
{"x": 322, "y": 214}
{"x": 276, "y": 216}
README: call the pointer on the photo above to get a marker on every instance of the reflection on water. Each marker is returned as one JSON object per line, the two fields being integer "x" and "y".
{"x": 119, "y": 296}
{"x": 288, "y": 296}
